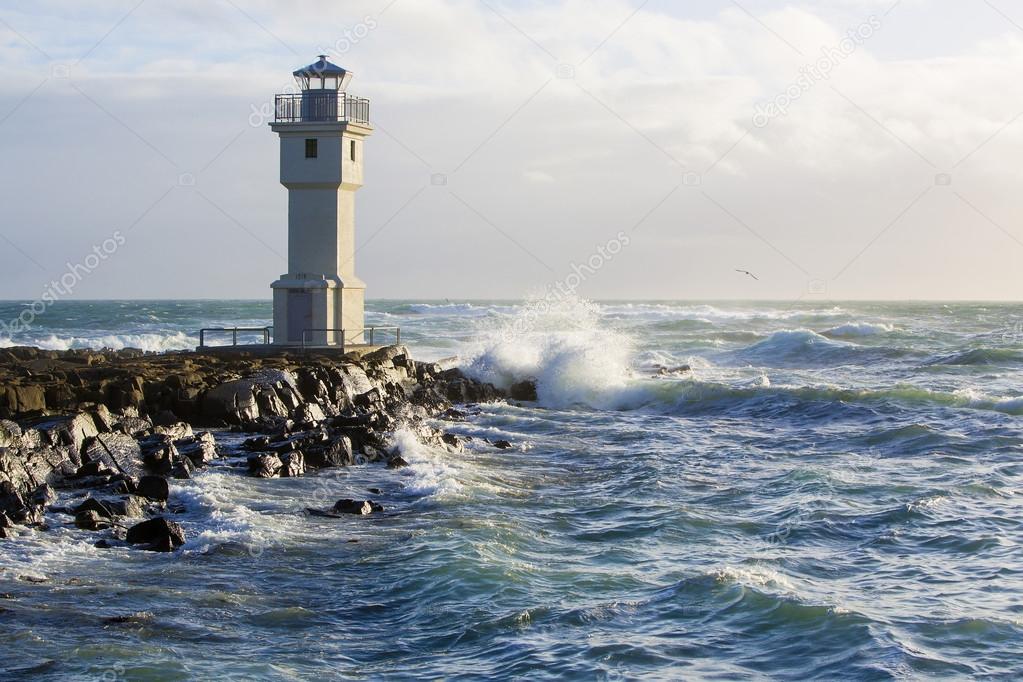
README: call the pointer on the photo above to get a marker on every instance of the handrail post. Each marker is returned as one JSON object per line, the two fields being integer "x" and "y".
{"x": 202, "y": 338}
{"x": 397, "y": 335}
{"x": 371, "y": 336}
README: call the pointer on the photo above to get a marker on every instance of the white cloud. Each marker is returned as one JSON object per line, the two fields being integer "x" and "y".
{"x": 556, "y": 162}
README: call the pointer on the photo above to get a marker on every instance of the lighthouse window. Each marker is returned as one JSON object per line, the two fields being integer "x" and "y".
{"x": 352, "y": 152}
{"x": 310, "y": 148}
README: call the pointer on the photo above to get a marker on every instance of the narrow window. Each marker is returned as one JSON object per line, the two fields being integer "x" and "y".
{"x": 352, "y": 152}
{"x": 310, "y": 148}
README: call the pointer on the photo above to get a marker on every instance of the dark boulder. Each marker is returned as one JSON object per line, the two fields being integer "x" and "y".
{"x": 118, "y": 451}
{"x": 183, "y": 468}
{"x": 91, "y": 504}
{"x": 453, "y": 442}
{"x": 502, "y": 444}
{"x": 293, "y": 464}
{"x": 524, "y": 390}
{"x": 396, "y": 462}
{"x": 153, "y": 488}
{"x": 336, "y": 453}
{"x": 201, "y": 448}
{"x": 91, "y": 520}
{"x": 357, "y": 507}
{"x": 368, "y": 400}
{"x": 157, "y": 534}
{"x": 265, "y": 466}
{"x": 131, "y": 506}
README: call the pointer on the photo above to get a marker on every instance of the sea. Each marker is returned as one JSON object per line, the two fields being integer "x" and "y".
{"x": 818, "y": 490}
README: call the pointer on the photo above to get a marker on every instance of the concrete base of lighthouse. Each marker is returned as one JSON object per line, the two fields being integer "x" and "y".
{"x": 318, "y": 311}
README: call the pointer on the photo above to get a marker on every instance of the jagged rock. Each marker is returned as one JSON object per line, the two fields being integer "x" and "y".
{"x": 201, "y": 448}
{"x": 91, "y": 520}
{"x": 91, "y": 504}
{"x": 270, "y": 403}
{"x": 10, "y": 434}
{"x": 178, "y": 431}
{"x": 233, "y": 400}
{"x": 131, "y": 506}
{"x": 357, "y": 507}
{"x": 293, "y": 464}
{"x": 369, "y": 399}
{"x": 119, "y": 452}
{"x": 257, "y": 443}
{"x": 93, "y": 469}
{"x": 336, "y": 453}
{"x": 396, "y": 462}
{"x": 134, "y": 426}
{"x": 265, "y": 466}
{"x": 453, "y": 442}
{"x": 159, "y": 453}
{"x": 371, "y": 453}
{"x": 309, "y": 413}
{"x": 153, "y": 488}
{"x": 502, "y": 444}
{"x": 183, "y": 468}
{"x": 19, "y": 399}
{"x": 103, "y": 419}
{"x": 72, "y": 430}
{"x": 275, "y": 394}
{"x": 524, "y": 390}
{"x": 461, "y": 389}
{"x": 158, "y": 534}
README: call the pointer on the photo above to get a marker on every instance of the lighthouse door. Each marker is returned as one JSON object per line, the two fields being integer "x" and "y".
{"x": 300, "y": 314}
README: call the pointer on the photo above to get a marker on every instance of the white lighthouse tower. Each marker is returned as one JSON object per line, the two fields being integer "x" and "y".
{"x": 319, "y": 301}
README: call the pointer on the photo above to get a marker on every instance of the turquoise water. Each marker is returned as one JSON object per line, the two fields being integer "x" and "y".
{"x": 831, "y": 492}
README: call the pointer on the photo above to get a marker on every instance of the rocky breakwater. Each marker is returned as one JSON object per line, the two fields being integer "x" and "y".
{"x": 91, "y": 438}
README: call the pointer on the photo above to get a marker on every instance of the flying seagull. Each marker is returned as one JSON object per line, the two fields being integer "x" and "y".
{"x": 747, "y": 272}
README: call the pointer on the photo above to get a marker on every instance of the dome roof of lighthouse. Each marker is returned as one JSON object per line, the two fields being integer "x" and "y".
{"x": 322, "y": 75}
{"x": 321, "y": 67}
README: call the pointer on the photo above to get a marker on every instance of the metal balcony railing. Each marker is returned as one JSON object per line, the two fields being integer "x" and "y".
{"x": 349, "y": 337}
{"x": 312, "y": 106}
{"x": 265, "y": 332}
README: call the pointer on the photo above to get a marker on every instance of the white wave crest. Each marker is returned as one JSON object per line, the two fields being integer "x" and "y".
{"x": 147, "y": 342}
{"x": 565, "y": 347}
{"x": 856, "y": 329}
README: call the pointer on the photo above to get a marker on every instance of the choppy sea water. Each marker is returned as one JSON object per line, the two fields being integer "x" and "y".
{"x": 833, "y": 491}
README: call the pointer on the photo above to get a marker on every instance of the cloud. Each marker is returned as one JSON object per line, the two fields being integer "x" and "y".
{"x": 554, "y": 123}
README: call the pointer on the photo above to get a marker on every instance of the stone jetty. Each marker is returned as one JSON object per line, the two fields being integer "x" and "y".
{"x": 114, "y": 426}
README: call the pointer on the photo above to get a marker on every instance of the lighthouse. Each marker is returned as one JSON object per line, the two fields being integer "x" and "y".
{"x": 319, "y": 301}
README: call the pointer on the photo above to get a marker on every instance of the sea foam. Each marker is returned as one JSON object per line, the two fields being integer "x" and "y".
{"x": 573, "y": 356}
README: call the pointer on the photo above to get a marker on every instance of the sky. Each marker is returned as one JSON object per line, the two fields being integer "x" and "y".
{"x": 836, "y": 149}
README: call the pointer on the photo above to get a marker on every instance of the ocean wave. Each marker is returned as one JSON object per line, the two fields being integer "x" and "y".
{"x": 429, "y": 473}
{"x": 982, "y": 356}
{"x": 857, "y": 329}
{"x": 147, "y": 342}
{"x": 586, "y": 365}
{"x": 710, "y": 314}
{"x": 594, "y": 366}
{"x": 453, "y": 309}
{"x": 803, "y": 348}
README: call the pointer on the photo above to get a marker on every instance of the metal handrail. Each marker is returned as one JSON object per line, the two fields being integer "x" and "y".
{"x": 345, "y": 332}
{"x": 311, "y": 106}
{"x": 267, "y": 331}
